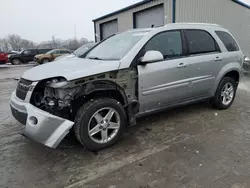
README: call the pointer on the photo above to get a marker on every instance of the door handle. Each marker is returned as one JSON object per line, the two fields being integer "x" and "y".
{"x": 218, "y": 59}
{"x": 182, "y": 65}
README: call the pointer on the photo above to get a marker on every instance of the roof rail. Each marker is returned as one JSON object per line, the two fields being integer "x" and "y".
{"x": 201, "y": 24}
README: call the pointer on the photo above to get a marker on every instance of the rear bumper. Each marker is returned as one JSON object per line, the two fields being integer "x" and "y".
{"x": 48, "y": 130}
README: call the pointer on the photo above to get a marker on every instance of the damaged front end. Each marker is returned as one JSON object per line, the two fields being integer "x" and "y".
{"x": 50, "y": 106}
{"x": 54, "y": 97}
{"x": 63, "y": 98}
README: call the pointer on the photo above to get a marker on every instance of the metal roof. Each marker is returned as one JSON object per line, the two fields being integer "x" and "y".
{"x": 123, "y": 9}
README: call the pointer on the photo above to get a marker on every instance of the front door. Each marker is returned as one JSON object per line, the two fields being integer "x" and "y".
{"x": 55, "y": 54}
{"x": 165, "y": 82}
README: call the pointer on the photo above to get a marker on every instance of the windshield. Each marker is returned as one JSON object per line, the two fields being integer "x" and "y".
{"x": 50, "y": 52}
{"x": 80, "y": 51}
{"x": 116, "y": 47}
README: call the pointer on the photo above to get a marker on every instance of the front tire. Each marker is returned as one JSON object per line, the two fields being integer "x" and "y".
{"x": 225, "y": 94}
{"x": 100, "y": 123}
{"x": 16, "y": 62}
{"x": 45, "y": 60}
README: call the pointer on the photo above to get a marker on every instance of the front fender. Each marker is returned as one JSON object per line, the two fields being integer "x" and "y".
{"x": 102, "y": 85}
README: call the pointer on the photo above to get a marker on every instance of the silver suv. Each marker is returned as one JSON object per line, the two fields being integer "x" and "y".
{"x": 130, "y": 74}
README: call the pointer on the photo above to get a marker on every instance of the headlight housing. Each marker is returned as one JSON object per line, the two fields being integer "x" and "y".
{"x": 57, "y": 83}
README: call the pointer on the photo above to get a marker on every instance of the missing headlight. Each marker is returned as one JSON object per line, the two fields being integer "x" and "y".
{"x": 57, "y": 83}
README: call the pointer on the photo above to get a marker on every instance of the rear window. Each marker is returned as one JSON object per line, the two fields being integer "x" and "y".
{"x": 200, "y": 41}
{"x": 228, "y": 41}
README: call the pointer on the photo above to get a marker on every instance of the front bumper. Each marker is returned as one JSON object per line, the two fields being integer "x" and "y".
{"x": 36, "y": 60}
{"x": 48, "y": 130}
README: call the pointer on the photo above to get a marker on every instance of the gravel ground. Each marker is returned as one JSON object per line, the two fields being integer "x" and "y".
{"x": 193, "y": 146}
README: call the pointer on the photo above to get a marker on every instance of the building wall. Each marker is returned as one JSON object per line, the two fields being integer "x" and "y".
{"x": 228, "y": 14}
{"x": 125, "y": 19}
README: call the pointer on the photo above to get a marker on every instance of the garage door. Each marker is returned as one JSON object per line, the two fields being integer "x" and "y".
{"x": 147, "y": 18}
{"x": 108, "y": 29}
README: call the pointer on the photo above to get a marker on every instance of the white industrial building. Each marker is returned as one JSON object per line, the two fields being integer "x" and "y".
{"x": 231, "y": 14}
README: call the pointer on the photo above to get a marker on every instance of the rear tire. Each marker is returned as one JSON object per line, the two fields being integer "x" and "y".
{"x": 225, "y": 94}
{"x": 97, "y": 130}
{"x": 16, "y": 62}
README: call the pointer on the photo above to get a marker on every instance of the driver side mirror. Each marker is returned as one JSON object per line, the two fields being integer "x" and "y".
{"x": 151, "y": 56}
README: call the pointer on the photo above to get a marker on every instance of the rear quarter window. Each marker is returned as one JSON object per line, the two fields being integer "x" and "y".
{"x": 228, "y": 41}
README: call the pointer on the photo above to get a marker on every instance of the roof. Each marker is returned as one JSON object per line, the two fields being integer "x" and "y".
{"x": 123, "y": 9}
{"x": 173, "y": 26}
{"x": 180, "y": 24}
{"x": 244, "y": 3}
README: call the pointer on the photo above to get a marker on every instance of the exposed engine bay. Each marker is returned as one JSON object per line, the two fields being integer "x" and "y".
{"x": 62, "y": 98}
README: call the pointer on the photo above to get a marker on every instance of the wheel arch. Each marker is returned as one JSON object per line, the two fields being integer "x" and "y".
{"x": 99, "y": 89}
{"x": 232, "y": 70}
{"x": 104, "y": 86}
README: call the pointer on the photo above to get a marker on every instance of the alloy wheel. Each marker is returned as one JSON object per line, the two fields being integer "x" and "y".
{"x": 16, "y": 62}
{"x": 227, "y": 93}
{"x": 104, "y": 125}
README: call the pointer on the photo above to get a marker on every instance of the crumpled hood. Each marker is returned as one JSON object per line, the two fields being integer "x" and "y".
{"x": 70, "y": 69}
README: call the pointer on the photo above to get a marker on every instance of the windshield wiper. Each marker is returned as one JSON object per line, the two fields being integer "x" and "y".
{"x": 96, "y": 58}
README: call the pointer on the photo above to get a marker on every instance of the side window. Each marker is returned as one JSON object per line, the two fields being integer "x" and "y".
{"x": 168, "y": 43}
{"x": 27, "y": 52}
{"x": 56, "y": 52}
{"x": 42, "y": 51}
{"x": 64, "y": 51}
{"x": 33, "y": 52}
{"x": 228, "y": 41}
{"x": 200, "y": 41}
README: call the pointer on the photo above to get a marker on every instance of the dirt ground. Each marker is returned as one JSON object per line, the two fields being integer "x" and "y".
{"x": 194, "y": 146}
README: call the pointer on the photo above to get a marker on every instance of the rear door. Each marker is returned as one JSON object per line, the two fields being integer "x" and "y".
{"x": 165, "y": 82}
{"x": 28, "y": 55}
{"x": 205, "y": 60}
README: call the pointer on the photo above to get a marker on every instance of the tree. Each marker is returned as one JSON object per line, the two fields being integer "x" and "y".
{"x": 15, "y": 42}
{"x": 4, "y": 45}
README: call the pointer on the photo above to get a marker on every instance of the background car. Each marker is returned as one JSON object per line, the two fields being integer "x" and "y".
{"x": 246, "y": 65}
{"x": 78, "y": 52}
{"x": 3, "y": 57}
{"x": 51, "y": 55}
{"x": 26, "y": 56}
